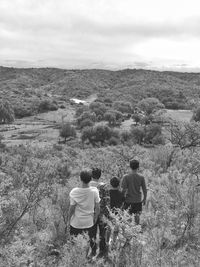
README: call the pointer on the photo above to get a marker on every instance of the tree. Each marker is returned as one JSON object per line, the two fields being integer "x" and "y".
{"x": 150, "y": 105}
{"x": 185, "y": 135}
{"x": 47, "y": 105}
{"x": 98, "y": 108}
{"x": 153, "y": 131}
{"x": 87, "y": 115}
{"x": 67, "y": 130}
{"x": 137, "y": 118}
{"x": 138, "y": 134}
{"x": 113, "y": 117}
{"x": 97, "y": 134}
{"x": 81, "y": 109}
{"x": 6, "y": 112}
{"x": 122, "y": 106}
{"x": 196, "y": 114}
{"x": 86, "y": 123}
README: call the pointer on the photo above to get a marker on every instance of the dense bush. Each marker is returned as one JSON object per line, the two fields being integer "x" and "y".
{"x": 86, "y": 123}
{"x": 6, "y": 112}
{"x": 81, "y": 109}
{"x": 67, "y": 130}
{"x": 86, "y": 115}
{"x": 23, "y": 111}
{"x": 196, "y": 114}
{"x": 150, "y": 105}
{"x": 98, "y": 134}
{"x": 123, "y": 107}
{"x": 34, "y": 186}
{"x": 47, "y": 105}
{"x": 113, "y": 117}
{"x": 149, "y": 134}
{"x": 184, "y": 134}
{"x": 98, "y": 108}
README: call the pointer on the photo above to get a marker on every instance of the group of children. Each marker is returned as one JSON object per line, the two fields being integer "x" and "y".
{"x": 90, "y": 204}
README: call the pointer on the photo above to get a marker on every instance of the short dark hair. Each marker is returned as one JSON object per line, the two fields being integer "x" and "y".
{"x": 114, "y": 182}
{"x": 96, "y": 173}
{"x": 86, "y": 176}
{"x": 134, "y": 164}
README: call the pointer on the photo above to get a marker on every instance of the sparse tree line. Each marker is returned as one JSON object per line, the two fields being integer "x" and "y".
{"x": 99, "y": 125}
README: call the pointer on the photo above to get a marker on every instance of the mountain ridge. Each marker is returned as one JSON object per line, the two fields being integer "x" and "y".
{"x": 126, "y": 84}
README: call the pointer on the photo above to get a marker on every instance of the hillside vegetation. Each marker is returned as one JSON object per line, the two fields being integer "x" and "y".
{"x": 175, "y": 90}
{"x": 41, "y": 157}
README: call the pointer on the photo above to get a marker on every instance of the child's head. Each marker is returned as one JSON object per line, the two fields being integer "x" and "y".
{"x": 114, "y": 182}
{"x": 96, "y": 173}
{"x": 134, "y": 164}
{"x": 86, "y": 176}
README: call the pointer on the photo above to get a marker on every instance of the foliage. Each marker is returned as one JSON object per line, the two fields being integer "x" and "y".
{"x": 136, "y": 117}
{"x": 113, "y": 117}
{"x": 185, "y": 135}
{"x": 81, "y": 109}
{"x": 122, "y": 106}
{"x": 148, "y": 134}
{"x": 196, "y": 114}
{"x": 86, "y": 115}
{"x": 150, "y": 105}
{"x": 6, "y": 112}
{"x": 23, "y": 111}
{"x": 86, "y": 123}
{"x": 152, "y": 132}
{"x": 138, "y": 134}
{"x": 67, "y": 130}
{"x": 98, "y": 108}
{"x": 98, "y": 134}
{"x": 47, "y": 105}
{"x": 34, "y": 187}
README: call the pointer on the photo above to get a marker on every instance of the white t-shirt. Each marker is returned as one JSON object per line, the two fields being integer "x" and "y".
{"x": 85, "y": 199}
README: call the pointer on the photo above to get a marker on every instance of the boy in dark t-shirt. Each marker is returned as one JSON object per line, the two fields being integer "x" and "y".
{"x": 116, "y": 196}
{"x": 116, "y": 202}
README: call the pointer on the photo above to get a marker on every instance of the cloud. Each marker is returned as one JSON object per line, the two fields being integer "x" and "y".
{"x": 102, "y": 33}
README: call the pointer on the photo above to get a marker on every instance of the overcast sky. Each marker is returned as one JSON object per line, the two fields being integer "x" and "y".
{"x": 111, "y": 34}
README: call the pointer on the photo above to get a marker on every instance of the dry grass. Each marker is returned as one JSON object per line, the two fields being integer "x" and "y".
{"x": 179, "y": 115}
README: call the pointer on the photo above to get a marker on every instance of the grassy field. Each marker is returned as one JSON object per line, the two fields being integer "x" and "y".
{"x": 43, "y": 128}
{"x": 36, "y": 129}
{"x": 179, "y": 115}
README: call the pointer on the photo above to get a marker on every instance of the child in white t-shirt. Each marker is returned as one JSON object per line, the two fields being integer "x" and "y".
{"x": 84, "y": 209}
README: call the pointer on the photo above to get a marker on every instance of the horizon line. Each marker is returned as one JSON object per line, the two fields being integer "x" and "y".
{"x": 105, "y": 69}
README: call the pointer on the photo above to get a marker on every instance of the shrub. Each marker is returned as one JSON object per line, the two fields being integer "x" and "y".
{"x": 47, "y": 105}
{"x": 123, "y": 107}
{"x": 113, "y": 141}
{"x": 125, "y": 136}
{"x": 85, "y": 123}
{"x": 86, "y": 116}
{"x": 6, "y": 112}
{"x": 136, "y": 117}
{"x": 138, "y": 134}
{"x": 152, "y": 131}
{"x": 62, "y": 106}
{"x": 67, "y": 130}
{"x": 97, "y": 134}
{"x": 23, "y": 111}
{"x": 150, "y": 105}
{"x": 81, "y": 109}
{"x": 184, "y": 134}
{"x": 196, "y": 114}
{"x": 98, "y": 108}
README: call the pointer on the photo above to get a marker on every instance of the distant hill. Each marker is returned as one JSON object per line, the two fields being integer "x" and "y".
{"x": 174, "y": 89}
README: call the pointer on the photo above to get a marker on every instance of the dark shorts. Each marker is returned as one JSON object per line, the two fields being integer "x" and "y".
{"x": 77, "y": 231}
{"x": 133, "y": 208}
